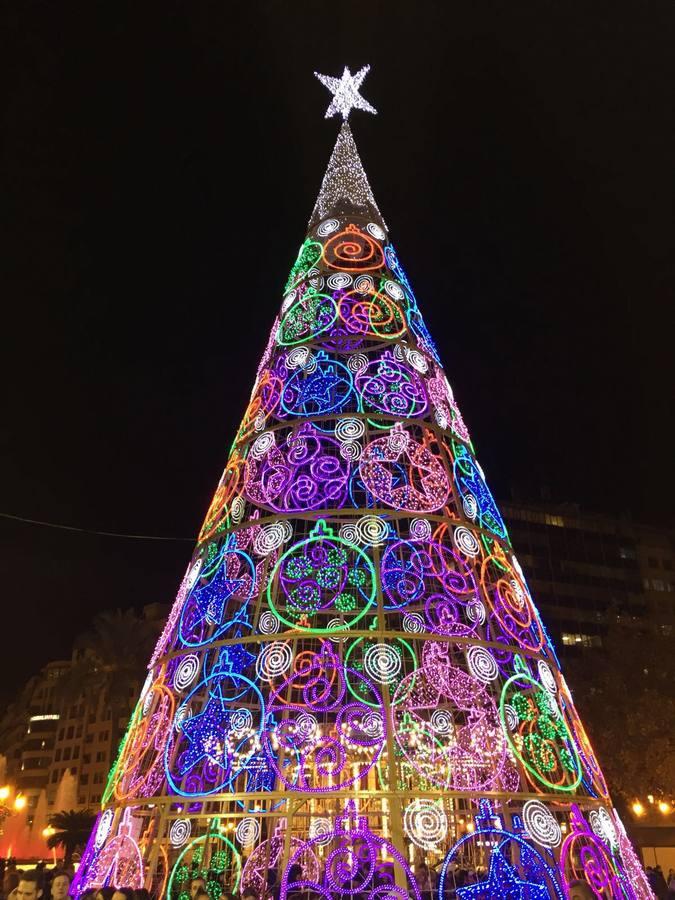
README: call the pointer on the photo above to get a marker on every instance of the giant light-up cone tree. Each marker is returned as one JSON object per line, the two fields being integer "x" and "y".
{"x": 354, "y": 682}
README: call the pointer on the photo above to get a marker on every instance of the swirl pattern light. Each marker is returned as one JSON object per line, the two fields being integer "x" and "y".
{"x": 247, "y": 832}
{"x": 482, "y": 664}
{"x": 425, "y": 823}
{"x": 541, "y": 824}
{"x": 273, "y": 660}
{"x": 180, "y": 832}
{"x": 186, "y": 672}
{"x": 382, "y": 663}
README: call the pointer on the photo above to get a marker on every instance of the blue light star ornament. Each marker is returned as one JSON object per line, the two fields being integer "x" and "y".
{"x": 503, "y": 883}
{"x": 207, "y": 736}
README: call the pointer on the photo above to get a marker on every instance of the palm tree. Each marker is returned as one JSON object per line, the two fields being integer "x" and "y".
{"x": 72, "y": 830}
{"x": 112, "y": 663}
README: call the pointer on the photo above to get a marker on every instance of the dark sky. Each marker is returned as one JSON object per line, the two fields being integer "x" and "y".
{"x": 159, "y": 165}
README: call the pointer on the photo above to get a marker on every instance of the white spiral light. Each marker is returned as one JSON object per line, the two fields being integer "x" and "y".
{"x": 413, "y": 623}
{"x": 320, "y": 831}
{"x": 482, "y": 664}
{"x": 328, "y": 226}
{"x": 349, "y": 429}
{"x": 273, "y": 660}
{"x": 601, "y": 823}
{"x": 357, "y": 362}
{"x": 372, "y": 530}
{"x": 298, "y": 357}
{"x": 374, "y": 229}
{"x": 417, "y": 361}
{"x": 237, "y": 508}
{"x": 394, "y": 290}
{"x": 541, "y": 824}
{"x": 420, "y": 529}
{"x": 382, "y": 663}
{"x": 186, "y": 672}
{"x": 364, "y": 284}
{"x": 289, "y": 299}
{"x": 350, "y": 450}
{"x": 193, "y": 574}
{"x": 442, "y": 722}
{"x": 470, "y": 506}
{"x": 259, "y": 422}
{"x": 182, "y": 713}
{"x": 466, "y": 541}
{"x": 546, "y": 677}
{"x": 268, "y": 622}
{"x": 271, "y": 537}
{"x": 372, "y": 724}
{"x": 103, "y": 828}
{"x": 339, "y": 281}
{"x": 180, "y": 832}
{"x": 475, "y": 612}
{"x": 262, "y": 444}
{"x": 247, "y": 831}
{"x": 306, "y": 726}
{"x": 337, "y": 625}
{"x": 349, "y": 532}
{"x": 241, "y": 721}
{"x": 399, "y": 352}
{"x": 440, "y": 417}
{"x": 397, "y": 441}
{"x": 315, "y": 279}
{"x": 425, "y": 823}
{"x": 511, "y": 717}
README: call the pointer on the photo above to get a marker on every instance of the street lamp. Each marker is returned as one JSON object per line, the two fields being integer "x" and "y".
{"x": 664, "y": 807}
{"x": 19, "y": 802}
{"x": 638, "y": 808}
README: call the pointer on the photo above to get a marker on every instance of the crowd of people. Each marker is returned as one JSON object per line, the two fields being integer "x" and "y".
{"x": 41, "y": 883}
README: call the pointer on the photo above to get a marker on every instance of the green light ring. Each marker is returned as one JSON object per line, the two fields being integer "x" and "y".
{"x": 521, "y": 676}
{"x": 201, "y": 840}
{"x": 361, "y": 699}
{"x": 322, "y": 532}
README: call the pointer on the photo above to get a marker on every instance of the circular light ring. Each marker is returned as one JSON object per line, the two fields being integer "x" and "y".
{"x": 298, "y": 358}
{"x": 372, "y": 724}
{"x": 364, "y": 284}
{"x": 394, "y": 290}
{"x": 349, "y": 532}
{"x": 349, "y": 429}
{"x": 268, "y": 622}
{"x": 339, "y": 281}
{"x": 272, "y": 536}
{"x": 475, "y": 612}
{"x": 541, "y": 825}
{"x": 417, "y": 361}
{"x": 373, "y": 531}
{"x": 273, "y": 660}
{"x": 510, "y": 717}
{"x": 186, "y": 672}
{"x": 306, "y": 726}
{"x": 350, "y": 450}
{"x": 470, "y": 506}
{"x": 547, "y": 677}
{"x": 357, "y": 362}
{"x": 247, "y": 831}
{"x": 241, "y": 721}
{"x": 378, "y": 233}
{"x": 442, "y": 722}
{"x": 425, "y": 823}
{"x": 320, "y": 831}
{"x": 180, "y": 832}
{"x": 602, "y": 824}
{"x": 413, "y": 623}
{"x": 466, "y": 541}
{"x": 328, "y": 226}
{"x": 103, "y": 828}
{"x": 262, "y": 445}
{"x": 420, "y": 529}
{"x": 237, "y": 509}
{"x": 482, "y": 664}
{"x": 382, "y": 663}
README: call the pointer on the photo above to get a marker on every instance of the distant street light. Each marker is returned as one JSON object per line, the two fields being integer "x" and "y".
{"x": 638, "y": 808}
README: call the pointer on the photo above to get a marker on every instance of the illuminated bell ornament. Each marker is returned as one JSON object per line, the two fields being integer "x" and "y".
{"x": 119, "y": 861}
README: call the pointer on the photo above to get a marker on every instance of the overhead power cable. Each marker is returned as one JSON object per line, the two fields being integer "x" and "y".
{"x": 114, "y": 534}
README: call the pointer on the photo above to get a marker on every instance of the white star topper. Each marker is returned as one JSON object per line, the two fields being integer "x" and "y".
{"x": 346, "y": 92}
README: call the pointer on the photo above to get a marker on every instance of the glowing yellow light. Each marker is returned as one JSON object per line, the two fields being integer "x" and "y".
{"x": 664, "y": 807}
{"x": 20, "y": 802}
{"x": 650, "y": 797}
{"x": 4, "y": 792}
{"x": 48, "y": 831}
{"x": 470, "y": 826}
{"x": 638, "y": 808}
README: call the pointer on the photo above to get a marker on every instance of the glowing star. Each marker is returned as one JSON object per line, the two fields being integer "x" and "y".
{"x": 345, "y": 92}
{"x": 207, "y": 734}
{"x": 503, "y": 882}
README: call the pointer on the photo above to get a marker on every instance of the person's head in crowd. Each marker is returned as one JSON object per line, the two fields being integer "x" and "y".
{"x": 60, "y": 884}
{"x": 197, "y": 884}
{"x": 123, "y": 893}
{"x": 105, "y": 893}
{"x": 579, "y": 890}
{"x": 142, "y": 894}
{"x": 29, "y": 887}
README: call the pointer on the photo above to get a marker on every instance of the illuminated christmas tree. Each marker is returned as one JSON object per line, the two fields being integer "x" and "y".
{"x": 354, "y": 694}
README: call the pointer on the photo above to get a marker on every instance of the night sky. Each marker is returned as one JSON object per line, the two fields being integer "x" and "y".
{"x": 160, "y": 162}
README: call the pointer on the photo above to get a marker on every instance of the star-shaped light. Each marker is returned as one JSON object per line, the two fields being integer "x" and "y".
{"x": 503, "y": 883}
{"x": 345, "y": 92}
